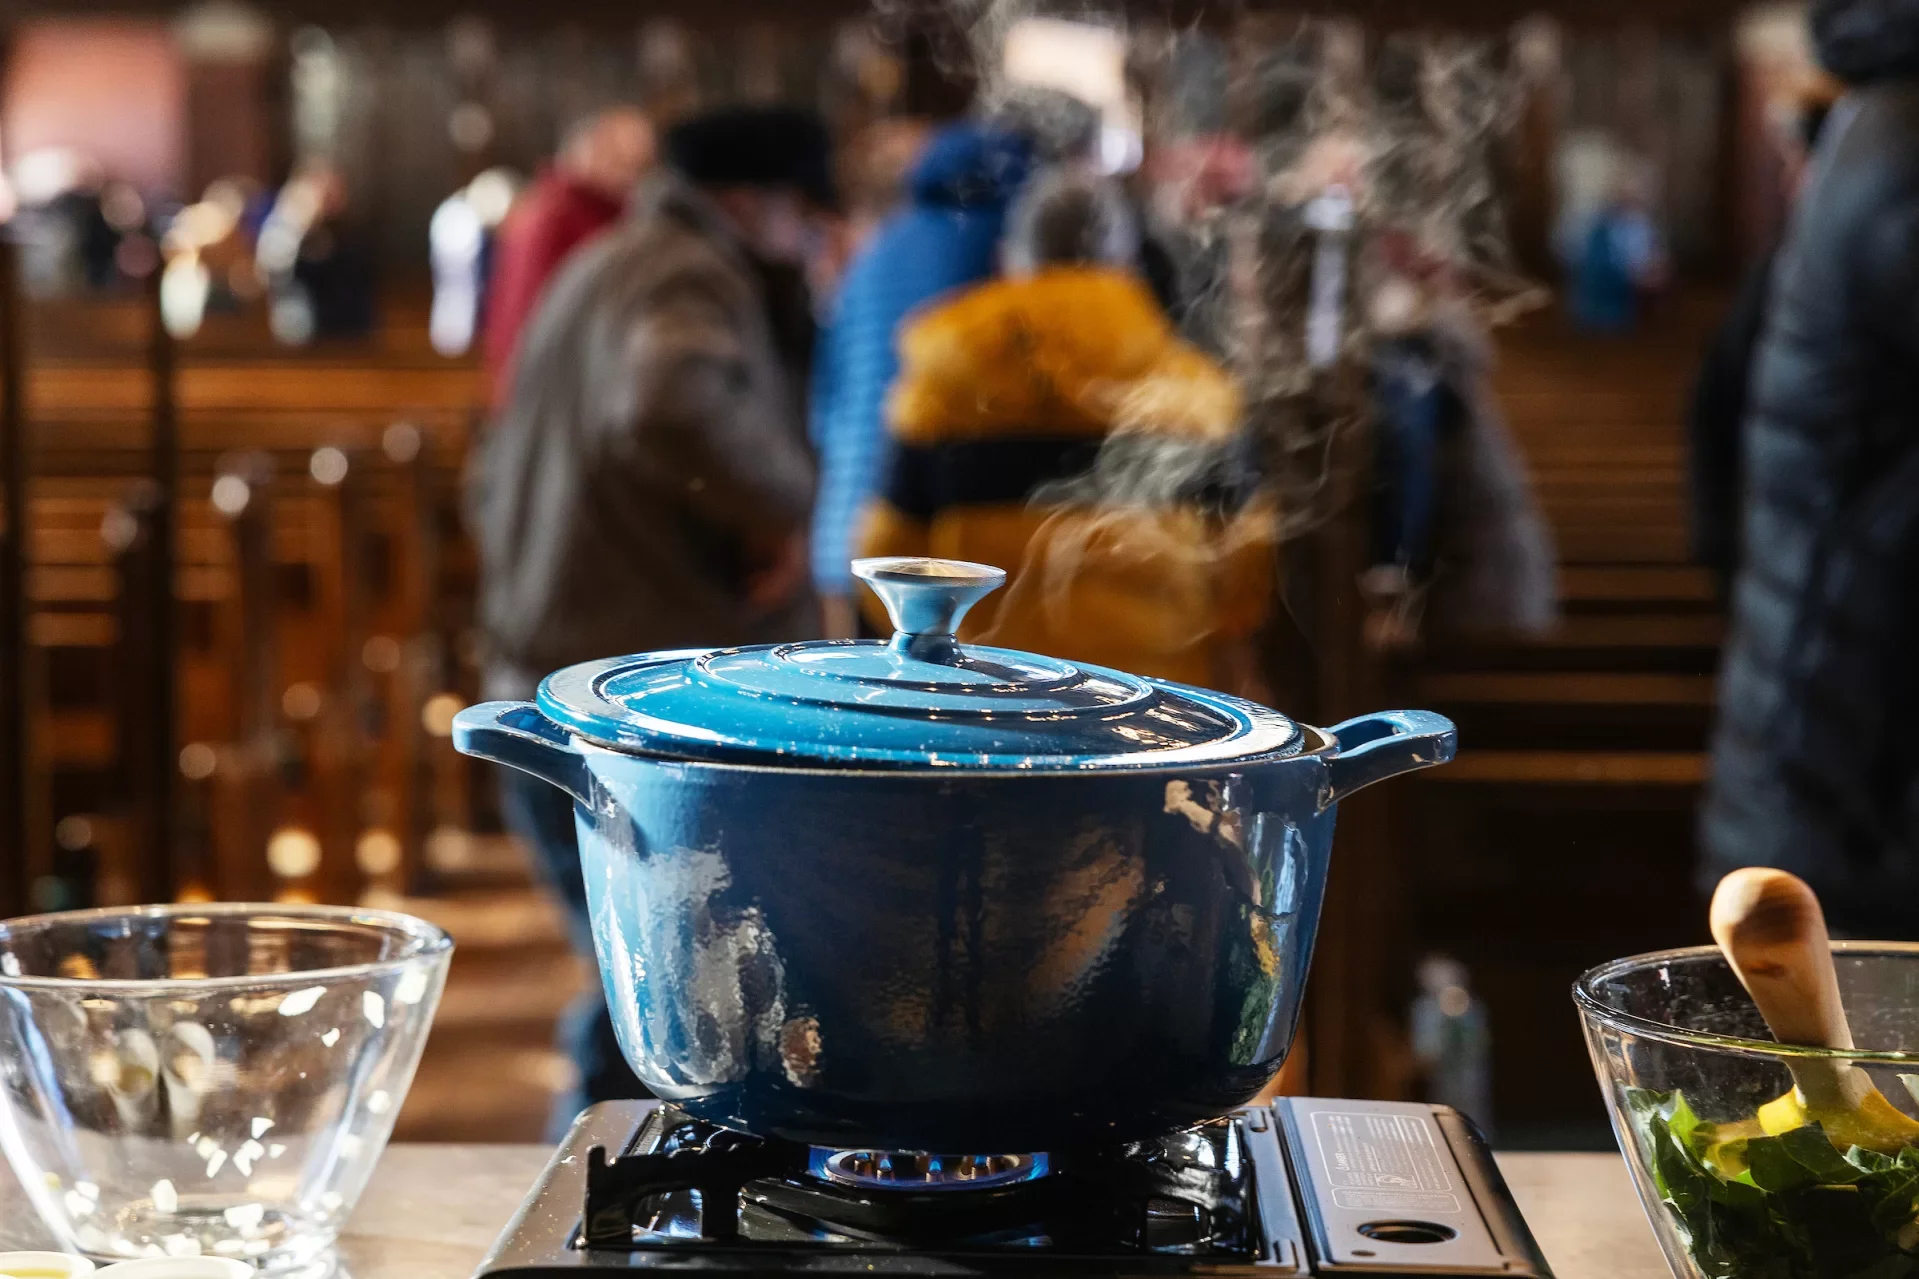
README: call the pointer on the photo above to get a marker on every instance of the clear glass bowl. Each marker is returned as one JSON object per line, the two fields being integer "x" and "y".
{"x": 1679, "y": 1022}
{"x": 209, "y": 1079}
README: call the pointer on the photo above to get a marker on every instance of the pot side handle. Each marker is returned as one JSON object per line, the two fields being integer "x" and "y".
{"x": 1373, "y": 747}
{"x": 518, "y": 735}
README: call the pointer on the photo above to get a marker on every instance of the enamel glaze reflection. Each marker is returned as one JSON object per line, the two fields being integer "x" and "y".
{"x": 664, "y": 916}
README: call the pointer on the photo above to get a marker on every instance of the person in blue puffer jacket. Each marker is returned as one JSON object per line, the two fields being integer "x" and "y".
{"x": 945, "y": 236}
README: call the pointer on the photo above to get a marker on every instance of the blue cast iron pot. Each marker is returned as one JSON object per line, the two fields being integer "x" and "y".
{"x": 922, "y": 895}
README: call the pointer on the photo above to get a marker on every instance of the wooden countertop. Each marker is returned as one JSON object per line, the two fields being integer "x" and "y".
{"x": 433, "y": 1211}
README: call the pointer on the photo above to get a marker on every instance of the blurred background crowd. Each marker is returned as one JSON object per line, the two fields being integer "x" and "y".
{"x": 372, "y": 359}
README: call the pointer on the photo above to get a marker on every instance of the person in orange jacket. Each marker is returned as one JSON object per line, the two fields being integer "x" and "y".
{"x": 1051, "y": 423}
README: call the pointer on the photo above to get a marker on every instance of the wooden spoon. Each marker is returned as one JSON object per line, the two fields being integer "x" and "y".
{"x": 1771, "y": 930}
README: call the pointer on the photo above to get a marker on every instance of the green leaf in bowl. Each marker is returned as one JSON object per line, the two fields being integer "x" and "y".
{"x": 1791, "y": 1206}
{"x": 1802, "y": 1157}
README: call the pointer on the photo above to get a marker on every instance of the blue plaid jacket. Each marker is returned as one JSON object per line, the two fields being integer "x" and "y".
{"x": 945, "y": 236}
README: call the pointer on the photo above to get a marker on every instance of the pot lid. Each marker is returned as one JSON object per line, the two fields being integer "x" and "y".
{"x": 921, "y": 699}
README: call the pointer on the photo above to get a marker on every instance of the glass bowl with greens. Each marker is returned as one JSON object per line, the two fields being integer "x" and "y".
{"x": 1739, "y": 1178}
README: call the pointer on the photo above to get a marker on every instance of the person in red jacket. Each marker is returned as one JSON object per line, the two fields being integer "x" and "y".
{"x": 583, "y": 192}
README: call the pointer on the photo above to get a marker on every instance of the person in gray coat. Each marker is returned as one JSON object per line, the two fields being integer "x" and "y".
{"x": 648, "y": 485}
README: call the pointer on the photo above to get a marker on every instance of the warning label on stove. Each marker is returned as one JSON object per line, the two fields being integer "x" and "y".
{"x": 1383, "y": 1162}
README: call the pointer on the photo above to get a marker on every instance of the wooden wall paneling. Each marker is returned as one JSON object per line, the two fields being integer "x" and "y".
{"x": 71, "y": 730}
{"x": 1353, "y": 1045}
{"x": 204, "y": 586}
{"x": 263, "y": 736}
{"x": 1691, "y": 94}
{"x": 525, "y": 122}
{"x": 419, "y": 167}
{"x": 233, "y": 127}
{"x": 226, "y": 801}
{"x": 465, "y": 790}
{"x": 1538, "y": 52}
{"x": 252, "y": 596}
{"x": 147, "y": 563}
{"x": 132, "y": 530}
{"x": 1759, "y": 207}
{"x": 379, "y": 601}
{"x": 473, "y": 58}
{"x": 336, "y": 785}
{"x": 162, "y": 749}
{"x": 1635, "y": 89}
{"x": 250, "y": 755}
{"x": 77, "y": 805}
{"x": 422, "y": 649}
{"x": 114, "y": 90}
{"x": 303, "y": 629}
{"x": 455, "y": 789}
{"x": 1729, "y": 258}
{"x": 15, "y": 867}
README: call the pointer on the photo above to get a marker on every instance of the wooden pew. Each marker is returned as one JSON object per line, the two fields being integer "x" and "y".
{"x": 358, "y": 570}
{"x": 1582, "y": 752}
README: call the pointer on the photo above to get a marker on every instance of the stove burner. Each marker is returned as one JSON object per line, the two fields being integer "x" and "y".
{"x": 904, "y": 1170}
{"x": 644, "y": 1188}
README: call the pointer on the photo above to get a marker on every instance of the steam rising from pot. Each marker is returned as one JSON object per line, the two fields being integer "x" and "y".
{"x": 1309, "y": 184}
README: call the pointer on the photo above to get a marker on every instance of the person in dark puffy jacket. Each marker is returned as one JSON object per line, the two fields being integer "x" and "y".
{"x": 1716, "y": 422}
{"x": 1815, "y": 761}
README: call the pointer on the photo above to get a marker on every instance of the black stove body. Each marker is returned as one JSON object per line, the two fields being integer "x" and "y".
{"x": 1304, "y": 1187}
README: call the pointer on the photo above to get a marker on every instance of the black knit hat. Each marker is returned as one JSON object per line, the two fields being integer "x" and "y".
{"x": 756, "y": 147}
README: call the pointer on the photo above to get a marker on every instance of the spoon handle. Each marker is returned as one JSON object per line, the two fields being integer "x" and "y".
{"x": 1771, "y": 930}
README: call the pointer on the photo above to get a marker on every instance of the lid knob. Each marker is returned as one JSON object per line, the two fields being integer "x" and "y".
{"x": 926, "y": 599}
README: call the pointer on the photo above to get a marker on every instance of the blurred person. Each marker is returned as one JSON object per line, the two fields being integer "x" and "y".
{"x": 78, "y": 230}
{"x": 946, "y": 236}
{"x": 1051, "y": 423}
{"x": 1190, "y": 183}
{"x": 647, "y": 484}
{"x": 210, "y": 264}
{"x": 878, "y": 171}
{"x": 1413, "y": 406}
{"x": 582, "y": 193}
{"x": 1716, "y": 420}
{"x": 59, "y": 222}
{"x": 461, "y": 245}
{"x": 1617, "y": 255}
{"x": 1815, "y": 767}
{"x": 316, "y": 263}
{"x": 1460, "y": 540}
{"x": 457, "y": 251}
{"x": 98, "y": 238}
{"x": 225, "y": 242}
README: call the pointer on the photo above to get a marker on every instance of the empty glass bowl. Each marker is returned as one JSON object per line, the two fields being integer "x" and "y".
{"x": 1686, "y": 1064}
{"x": 208, "y": 1080}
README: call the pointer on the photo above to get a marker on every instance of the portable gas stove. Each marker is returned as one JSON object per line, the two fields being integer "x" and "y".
{"x": 1304, "y": 1187}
